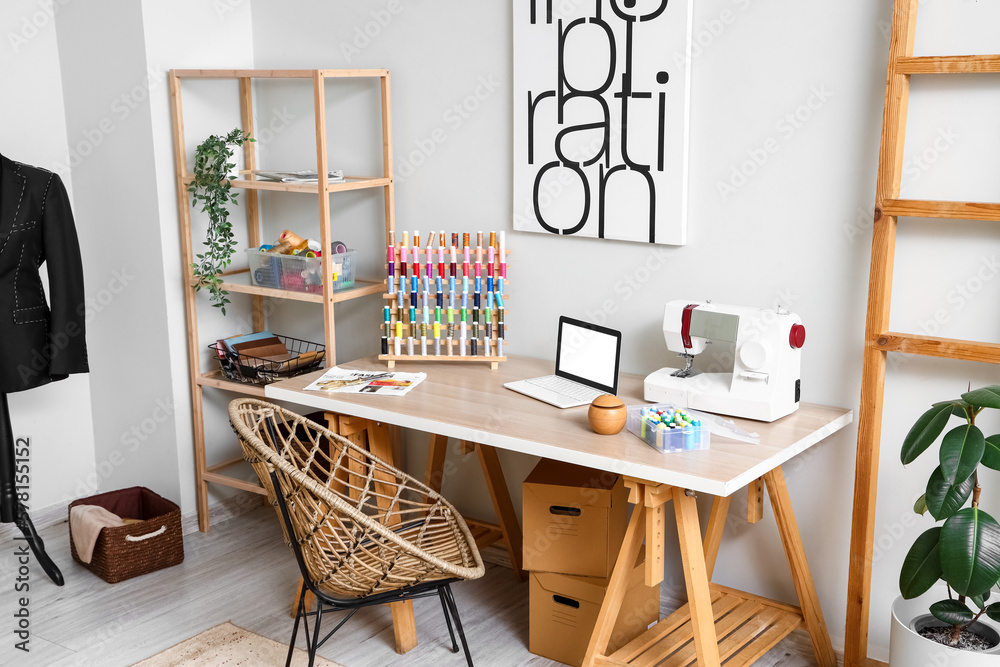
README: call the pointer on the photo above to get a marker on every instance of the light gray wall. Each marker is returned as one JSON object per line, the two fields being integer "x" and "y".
{"x": 194, "y": 34}
{"x": 106, "y": 91}
{"x": 797, "y": 231}
{"x": 56, "y": 417}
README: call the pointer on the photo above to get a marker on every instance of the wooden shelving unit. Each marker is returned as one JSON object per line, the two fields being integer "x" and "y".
{"x": 238, "y": 281}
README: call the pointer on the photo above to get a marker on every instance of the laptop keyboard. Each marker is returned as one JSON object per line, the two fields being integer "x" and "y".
{"x": 566, "y": 387}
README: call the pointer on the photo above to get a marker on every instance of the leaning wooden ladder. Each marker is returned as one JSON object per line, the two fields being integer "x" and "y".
{"x": 878, "y": 339}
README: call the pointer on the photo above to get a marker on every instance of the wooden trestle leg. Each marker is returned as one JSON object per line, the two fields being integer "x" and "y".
{"x": 812, "y": 615}
{"x": 690, "y": 635}
{"x": 631, "y": 545}
{"x": 696, "y": 578}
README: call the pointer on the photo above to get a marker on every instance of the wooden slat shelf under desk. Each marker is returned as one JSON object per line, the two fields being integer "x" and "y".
{"x": 747, "y": 628}
{"x": 486, "y": 534}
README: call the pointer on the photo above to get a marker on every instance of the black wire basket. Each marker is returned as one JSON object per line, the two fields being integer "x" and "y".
{"x": 248, "y": 369}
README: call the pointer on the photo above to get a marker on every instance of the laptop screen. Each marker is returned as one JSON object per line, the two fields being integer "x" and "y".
{"x": 589, "y": 354}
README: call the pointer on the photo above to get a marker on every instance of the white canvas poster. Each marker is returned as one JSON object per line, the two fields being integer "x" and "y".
{"x": 600, "y": 118}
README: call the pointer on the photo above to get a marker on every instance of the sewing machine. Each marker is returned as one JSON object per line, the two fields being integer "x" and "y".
{"x": 763, "y": 382}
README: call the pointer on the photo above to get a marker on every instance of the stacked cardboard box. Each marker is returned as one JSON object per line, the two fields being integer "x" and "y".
{"x": 574, "y": 523}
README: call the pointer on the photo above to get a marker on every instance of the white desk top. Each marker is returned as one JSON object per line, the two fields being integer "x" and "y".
{"x": 468, "y": 401}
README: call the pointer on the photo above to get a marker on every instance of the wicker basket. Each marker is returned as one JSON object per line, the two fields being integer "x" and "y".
{"x": 128, "y": 551}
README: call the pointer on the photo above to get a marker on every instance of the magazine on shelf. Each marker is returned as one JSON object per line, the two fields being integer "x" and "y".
{"x": 343, "y": 381}
{"x": 302, "y": 176}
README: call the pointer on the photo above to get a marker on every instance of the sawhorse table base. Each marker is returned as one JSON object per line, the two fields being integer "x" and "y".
{"x": 717, "y": 623}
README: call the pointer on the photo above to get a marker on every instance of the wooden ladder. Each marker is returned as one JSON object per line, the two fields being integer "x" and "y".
{"x": 878, "y": 339}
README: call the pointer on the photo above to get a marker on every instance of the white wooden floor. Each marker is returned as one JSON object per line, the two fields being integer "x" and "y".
{"x": 241, "y": 572}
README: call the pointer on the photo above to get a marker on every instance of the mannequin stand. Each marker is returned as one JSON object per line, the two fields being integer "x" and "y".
{"x": 11, "y": 509}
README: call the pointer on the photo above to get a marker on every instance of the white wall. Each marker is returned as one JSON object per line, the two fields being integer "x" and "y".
{"x": 106, "y": 87}
{"x": 196, "y": 35}
{"x": 797, "y": 231}
{"x": 57, "y": 416}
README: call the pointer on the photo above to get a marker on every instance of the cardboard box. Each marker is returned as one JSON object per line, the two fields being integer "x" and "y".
{"x": 574, "y": 519}
{"x": 563, "y": 610}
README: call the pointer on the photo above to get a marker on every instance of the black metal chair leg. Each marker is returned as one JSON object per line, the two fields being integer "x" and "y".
{"x": 458, "y": 624}
{"x": 315, "y": 642}
{"x": 295, "y": 629}
{"x": 447, "y": 619}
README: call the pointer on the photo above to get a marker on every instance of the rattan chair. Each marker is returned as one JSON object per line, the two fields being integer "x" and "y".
{"x": 363, "y": 532}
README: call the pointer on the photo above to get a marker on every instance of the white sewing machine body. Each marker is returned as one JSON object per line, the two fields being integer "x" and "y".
{"x": 765, "y": 380}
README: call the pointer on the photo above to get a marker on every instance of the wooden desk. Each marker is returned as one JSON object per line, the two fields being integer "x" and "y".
{"x": 469, "y": 402}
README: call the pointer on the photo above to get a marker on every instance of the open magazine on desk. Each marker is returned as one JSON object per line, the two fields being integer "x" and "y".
{"x": 344, "y": 381}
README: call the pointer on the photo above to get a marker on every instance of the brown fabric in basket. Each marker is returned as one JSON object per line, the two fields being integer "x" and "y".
{"x": 136, "y": 502}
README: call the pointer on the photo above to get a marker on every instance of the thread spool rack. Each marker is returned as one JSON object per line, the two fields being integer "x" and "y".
{"x": 410, "y": 321}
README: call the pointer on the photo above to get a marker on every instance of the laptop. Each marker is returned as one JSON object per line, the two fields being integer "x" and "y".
{"x": 587, "y": 357}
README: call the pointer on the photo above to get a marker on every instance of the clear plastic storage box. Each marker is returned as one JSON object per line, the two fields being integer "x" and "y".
{"x": 299, "y": 274}
{"x": 646, "y": 423}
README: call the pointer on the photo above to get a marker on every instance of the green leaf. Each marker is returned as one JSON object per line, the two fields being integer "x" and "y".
{"x": 920, "y": 507}
{"x": 978, "y": 601}
{"x": 959, "y": 407}
{"x": 993, "y": 611}
{"x": 944, "y": 499}
{"x": 922, "y": 565}
{"x": 987, "y": 397}
{"x": 970, "y": 551}
{"x": 991, "y": 455}
{"x": 952, "y": 612}
{"x": 961, "y": 451}
{"x": 925, "y": 431}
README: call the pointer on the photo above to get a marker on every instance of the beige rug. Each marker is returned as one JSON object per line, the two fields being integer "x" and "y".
{"x": 230, "y": 645}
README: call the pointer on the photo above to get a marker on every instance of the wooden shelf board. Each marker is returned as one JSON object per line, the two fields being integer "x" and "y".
{"x": 233, "y": 482}
{"x": 984, "y": 64}
{"x": 949, "y": 210}
{"x": 341, "y": 73}
{"x": 747, "y": 628}
{"x": 275, "y": 73}
{"x": 360, "y": 289}
{"x": 225, "y": 464}
{"x": 218, "y": 380}
{"x": 350, "y": 183}
{"x": 931, "y": 346}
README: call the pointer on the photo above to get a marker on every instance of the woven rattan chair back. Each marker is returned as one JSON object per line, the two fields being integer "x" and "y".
{"x": 363, "y": 527}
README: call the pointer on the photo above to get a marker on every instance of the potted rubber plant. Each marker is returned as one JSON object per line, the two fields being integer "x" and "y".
{"x": 950, "y": 573}
{"x": 211, "y": 188}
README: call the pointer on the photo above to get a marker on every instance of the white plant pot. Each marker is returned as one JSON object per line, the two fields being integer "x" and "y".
{"x": 908, "y": 649}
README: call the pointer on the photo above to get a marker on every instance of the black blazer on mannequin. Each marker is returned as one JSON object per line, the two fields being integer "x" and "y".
{"x": 39, "y": 342}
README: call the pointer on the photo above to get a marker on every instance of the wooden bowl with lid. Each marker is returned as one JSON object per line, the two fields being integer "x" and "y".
{"x": 607, "y": 414}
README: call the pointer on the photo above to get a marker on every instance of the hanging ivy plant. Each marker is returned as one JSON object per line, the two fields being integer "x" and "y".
{"x": 211, "y": 188}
